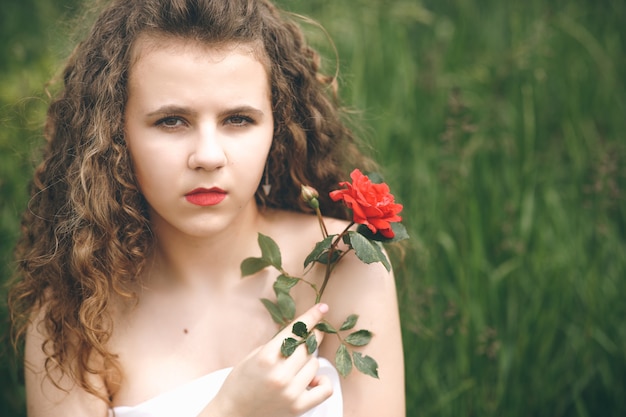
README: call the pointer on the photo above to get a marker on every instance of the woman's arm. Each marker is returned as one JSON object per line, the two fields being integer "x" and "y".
{"x": 43, "y": 397}
{"x": 370, "y": 292}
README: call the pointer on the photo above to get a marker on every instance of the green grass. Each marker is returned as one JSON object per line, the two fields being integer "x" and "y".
{"x": 502, "y": 130}
{"x": 500, "y": 126}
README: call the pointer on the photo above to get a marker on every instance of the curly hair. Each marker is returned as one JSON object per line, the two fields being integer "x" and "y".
{"x": 86, "y": 232}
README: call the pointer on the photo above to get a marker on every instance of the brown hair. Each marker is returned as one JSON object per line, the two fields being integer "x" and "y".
{"x": 85, "y": 234}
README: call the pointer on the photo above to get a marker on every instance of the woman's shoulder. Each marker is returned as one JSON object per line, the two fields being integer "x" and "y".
{"x": 51, "y": 390}
{"x": 297, "y": 228}
{"x": 297, "y": 234}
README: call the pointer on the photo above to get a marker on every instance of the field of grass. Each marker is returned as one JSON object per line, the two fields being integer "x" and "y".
{"x": 501, "y": 128}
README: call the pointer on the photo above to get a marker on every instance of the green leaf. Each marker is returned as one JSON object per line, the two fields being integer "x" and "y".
{"x": 311, "y": 343}
{"x": 383, "y": 258}
{"x": 251, "y": 266}
{"x": 274, "y": 311}
{"x": 365, "y": 231}
{"x": 289, "y": 346}
{"x": 366, "y": 250}
{"x": 343, "y": 360}
{"x": 270, "y": 251}
{"x": 325, "y": 327}
{"x": 346, "y": 239}
{"x": 284, "y": 284}
{"x": 299, "y": 329}
{"x": 286, "y": 305}
{"x": 375, "y": 177}
{"x": 333, "y": 258}
{"x": 319, "y": 250}
{"x": 350, "y": 322}
{"x": 359, "y": 338}
{"x": 400, "y": 233}
{"x": 366, "y": 365}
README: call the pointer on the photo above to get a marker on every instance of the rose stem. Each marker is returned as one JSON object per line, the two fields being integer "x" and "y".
{"x": 329, "y": 264}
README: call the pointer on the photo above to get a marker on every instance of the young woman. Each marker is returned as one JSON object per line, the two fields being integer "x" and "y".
{"x": 183, "y": 129}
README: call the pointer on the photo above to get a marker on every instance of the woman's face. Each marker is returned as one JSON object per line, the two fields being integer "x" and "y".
{"x": 198, "y": 125}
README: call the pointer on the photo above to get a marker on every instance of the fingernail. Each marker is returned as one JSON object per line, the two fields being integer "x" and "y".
{"x": 322, "y": 307}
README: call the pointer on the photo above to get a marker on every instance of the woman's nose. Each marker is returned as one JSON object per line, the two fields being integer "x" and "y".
{"x": 207, "y": 152}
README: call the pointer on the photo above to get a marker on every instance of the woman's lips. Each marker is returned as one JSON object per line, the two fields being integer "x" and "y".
{"x": 205, "y": 197}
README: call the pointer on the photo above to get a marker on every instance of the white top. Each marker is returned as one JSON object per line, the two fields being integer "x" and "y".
{"x": 189, "y": 399}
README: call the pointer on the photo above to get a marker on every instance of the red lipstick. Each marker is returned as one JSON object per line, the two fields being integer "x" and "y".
{"x": 206, "y": 197}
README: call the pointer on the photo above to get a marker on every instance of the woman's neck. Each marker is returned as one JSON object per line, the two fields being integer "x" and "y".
{"x": 181, "y": 259}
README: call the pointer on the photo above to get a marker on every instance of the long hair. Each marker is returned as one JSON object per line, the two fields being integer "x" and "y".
{"x": 85, "y": 234}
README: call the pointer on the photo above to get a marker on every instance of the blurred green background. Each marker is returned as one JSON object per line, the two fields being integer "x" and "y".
{"x": 501, "y": 128}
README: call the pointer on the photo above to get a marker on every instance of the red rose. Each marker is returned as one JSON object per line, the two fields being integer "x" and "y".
{"x": 371, "y": 204}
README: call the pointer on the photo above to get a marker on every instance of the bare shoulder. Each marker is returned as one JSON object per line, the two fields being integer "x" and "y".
{"x": 305, "y": 225}
{"x": 367, "y": 290}
{"x": 49, "y": 392}
{"x": 297, "y": 233}
{"x": 353, "y": 284}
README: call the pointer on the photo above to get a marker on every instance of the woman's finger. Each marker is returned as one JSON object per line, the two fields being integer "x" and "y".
{"x": 321, "y": 389}
{"x": 306, "y": 376}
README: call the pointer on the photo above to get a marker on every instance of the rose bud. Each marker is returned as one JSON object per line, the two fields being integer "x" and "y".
{"x": 309, "y": 195}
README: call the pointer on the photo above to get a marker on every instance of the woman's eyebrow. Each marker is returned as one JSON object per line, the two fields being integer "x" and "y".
{"x": 172, "y": 109}
{"x": 186, "y": 111}
{"x": 242, "y": 109}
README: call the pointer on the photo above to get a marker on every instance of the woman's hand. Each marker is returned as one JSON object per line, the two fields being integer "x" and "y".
{"x": 268, "y": 384}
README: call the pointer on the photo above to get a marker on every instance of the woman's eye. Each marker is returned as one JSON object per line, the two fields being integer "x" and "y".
{"x": 170, "y": 122}
{"x": 239, "y": 120}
